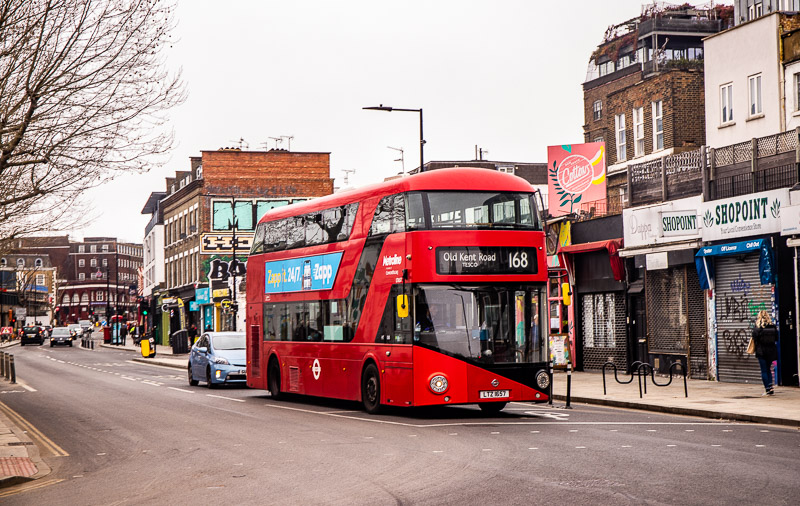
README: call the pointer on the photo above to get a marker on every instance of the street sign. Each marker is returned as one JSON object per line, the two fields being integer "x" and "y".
{"x": 20, "y": 312}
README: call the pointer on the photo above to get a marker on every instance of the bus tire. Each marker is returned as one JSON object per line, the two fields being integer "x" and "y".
{"x": 492, "y": 407}
{"x": 274, "y": 379}
{"x": 371, "y": 389}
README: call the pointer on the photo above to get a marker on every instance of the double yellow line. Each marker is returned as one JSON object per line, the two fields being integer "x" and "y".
{"x": 41, "y": 440}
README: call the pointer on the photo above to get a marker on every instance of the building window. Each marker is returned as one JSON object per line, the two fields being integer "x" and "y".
{"x": 38, "y": 262}
{"x": 105, "y": 248}
{"x": 93, "y": 262}
{"x": 638, "y": 131}
{"x": 759, "y": 9}
{"x": 40, "y": 280}
{"x": 81, "y": 248}
{"x": 726, "y": 103}
{"x": 754, "y": 87}
{"x": 81, "y": 262}
{"x": 3, "y": 262}
{"x": 598, "y": 139}
{"x": 797, "y": 91}
{"x": 658, "y": 125}
{"x": 99, "y": 296}
{"x": 597, "y": 110}
{"x": 81, "y": 276}
{"x": 85, "y": 298}
{"x": 20, "y": 263}
{"x": 619, "y": 124}
{"x": 93, "y": 248}
{"x": 105, "y": 262}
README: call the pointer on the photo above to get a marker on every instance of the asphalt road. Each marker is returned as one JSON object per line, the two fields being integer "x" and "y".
{"x": 138, "y": 434}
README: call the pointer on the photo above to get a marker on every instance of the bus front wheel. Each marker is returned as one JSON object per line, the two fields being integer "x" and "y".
{"x": 274, "y": 375}
{"x": 371, "y": 389}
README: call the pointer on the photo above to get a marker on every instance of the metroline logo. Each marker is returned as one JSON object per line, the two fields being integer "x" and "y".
{"x": 392, "y": 260}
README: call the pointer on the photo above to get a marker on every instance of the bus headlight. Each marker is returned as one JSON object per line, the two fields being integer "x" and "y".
{"x": 543, "y": 379}
{"x": 438, "y": 384}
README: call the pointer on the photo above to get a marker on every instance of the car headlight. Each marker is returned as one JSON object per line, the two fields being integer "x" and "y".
{"x": 221, "y": 360}
{"x": 438, "y": 384}
{"x": 543, "y": 379}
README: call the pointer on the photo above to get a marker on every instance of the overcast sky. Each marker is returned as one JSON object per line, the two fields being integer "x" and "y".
{"x": 503, "y": 75}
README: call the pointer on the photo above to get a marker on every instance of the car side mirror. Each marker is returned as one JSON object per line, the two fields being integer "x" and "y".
{"x": 202, "y": 349}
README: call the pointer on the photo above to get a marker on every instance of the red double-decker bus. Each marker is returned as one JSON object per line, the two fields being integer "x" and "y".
{"x": 424, "y": 290}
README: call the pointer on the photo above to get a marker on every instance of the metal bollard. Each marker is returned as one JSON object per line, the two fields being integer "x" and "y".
{"x": 3, "y": 364}
{"x": 550, "y": 393}
{"x": 13, "y": 370}
{"x": 569, "y": 382}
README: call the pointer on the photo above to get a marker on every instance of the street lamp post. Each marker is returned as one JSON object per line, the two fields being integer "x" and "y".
{"x": 233, "y": 224}
{"x": 421, "y": 137}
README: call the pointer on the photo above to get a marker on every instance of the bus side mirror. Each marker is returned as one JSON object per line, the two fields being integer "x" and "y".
{"x": 566, "y": 294}
{"x": 402, "y": 306}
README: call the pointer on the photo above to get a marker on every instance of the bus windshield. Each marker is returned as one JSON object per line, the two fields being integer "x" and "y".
{"x": 454, "y": 210}
{"x": 488, "y": 324}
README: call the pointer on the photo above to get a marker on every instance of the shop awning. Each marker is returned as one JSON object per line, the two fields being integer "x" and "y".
{"x": 612, "y": 246}
{"x": 766, "y": 261}
{"x": 660, "y": 248}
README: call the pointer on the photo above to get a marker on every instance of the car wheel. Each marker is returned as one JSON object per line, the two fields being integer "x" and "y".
{"x": 371, "y": 389}
{"x": 192, "y": 382}
{"x": 209, "y": 383}
{"x": 491, "y": 407}
{"x": 21, "y": 343}
{"x": 274, "y": 375}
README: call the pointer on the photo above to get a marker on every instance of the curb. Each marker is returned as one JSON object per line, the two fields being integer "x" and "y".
{"x": 155, "y": 361}
{"x": 739, "y": 417}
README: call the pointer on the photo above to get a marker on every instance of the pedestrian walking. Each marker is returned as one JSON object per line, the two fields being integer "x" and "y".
{"x": 192, "y": 335}
{"x": 765, "y": 337}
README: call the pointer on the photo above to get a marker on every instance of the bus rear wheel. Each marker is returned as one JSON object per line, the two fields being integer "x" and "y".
{"x": 371, "y": 389}
{"x": 492, "y": 407}
{"x": 274, "y": 375}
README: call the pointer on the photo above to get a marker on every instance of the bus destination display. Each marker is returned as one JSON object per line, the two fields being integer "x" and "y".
{"x": 485, "y": 260}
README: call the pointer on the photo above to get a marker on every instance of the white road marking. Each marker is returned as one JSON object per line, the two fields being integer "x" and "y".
{"x": 151, "y": 383}
{"x": 438, "y": 451}
{"x": 181, "y": 390}
{"x": 580, "y": 447}
{"x": 627, "y": 446}
{"x": 760, "y": 446}
{"x": 128, "y": 378}
{"x": 226, "y": 398}
{"x": 25, "y": 385}
{"x": 716, "y": 445}
{"x": 532, "y": 448}
{"x": 671, "y": 446}
{"x": 495, "y": 433}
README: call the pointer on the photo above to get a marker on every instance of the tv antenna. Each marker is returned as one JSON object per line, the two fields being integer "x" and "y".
{"x": 347, "y": 173}
{"x": 401, "y": 160}
{"x": 242, "y": 143}
{"x": 277, "y": 140}
{"x": 289, "y": 139}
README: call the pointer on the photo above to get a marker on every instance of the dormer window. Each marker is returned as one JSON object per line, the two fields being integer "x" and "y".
{"x": 20, "y": 263}
{"x": 38, "y": 262}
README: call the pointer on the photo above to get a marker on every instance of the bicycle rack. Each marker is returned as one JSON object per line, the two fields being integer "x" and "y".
{"x": 641, "y": 370}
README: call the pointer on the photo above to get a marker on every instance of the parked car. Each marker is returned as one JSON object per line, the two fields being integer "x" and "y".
{"x": 218, "y": 358}
{"x": 86, "y": 326}
{"x": 32, "y": 334}
{"x": 47, "y": 330}
{"x": 61, "y": 335}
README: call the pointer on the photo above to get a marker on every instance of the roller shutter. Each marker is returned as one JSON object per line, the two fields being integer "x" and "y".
{"x": 739, "y": 297}
{"x": 603, "y": 330}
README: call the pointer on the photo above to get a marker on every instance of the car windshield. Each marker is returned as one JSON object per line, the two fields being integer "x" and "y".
{"x": 60, "y": 331}
{"x": 229, "y": 342}
{"x": 30, "y": 329}
{"x": 85, "y": 323}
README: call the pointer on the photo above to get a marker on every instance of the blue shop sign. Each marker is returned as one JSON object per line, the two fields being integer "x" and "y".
{"x": 766, "y": 261}
{"x": 202, "y": 296}
{"x": 194, "y": 306}
{"x": 298, "y": 274}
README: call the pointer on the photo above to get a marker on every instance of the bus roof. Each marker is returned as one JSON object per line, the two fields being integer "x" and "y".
{"x": 456, "y": 178}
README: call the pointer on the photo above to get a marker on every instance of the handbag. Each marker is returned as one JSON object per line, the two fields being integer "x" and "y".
{"x": 751, "y": 347}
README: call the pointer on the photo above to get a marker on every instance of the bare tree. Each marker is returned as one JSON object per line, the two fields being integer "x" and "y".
{"x": 83, "y": 94}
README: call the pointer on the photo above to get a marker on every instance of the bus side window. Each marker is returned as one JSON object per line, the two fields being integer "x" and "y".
{"x": 296, "y": 233}
{"x": 415, "y": 213}
{"x": 275, "y": 235}
{"x": 258, "y": 239}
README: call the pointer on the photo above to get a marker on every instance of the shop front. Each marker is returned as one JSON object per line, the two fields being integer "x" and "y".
{"x": 744, "y": 269}
{"x": 666, "y": 306}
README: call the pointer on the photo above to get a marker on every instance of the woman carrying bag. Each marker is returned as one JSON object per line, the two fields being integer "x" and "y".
{"x": 765, "y": 337}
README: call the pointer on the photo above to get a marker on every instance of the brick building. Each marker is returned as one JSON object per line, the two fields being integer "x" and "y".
{"x": 101, "y": 276}
{"x": 199, "y": 207}
{"x": 643, "y": 94}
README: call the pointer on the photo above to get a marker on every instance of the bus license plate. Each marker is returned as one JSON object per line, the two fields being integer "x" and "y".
{"x": 494, "y": 394}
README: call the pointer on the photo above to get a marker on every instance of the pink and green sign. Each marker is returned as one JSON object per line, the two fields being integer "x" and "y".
{"x": 576, "y": 175}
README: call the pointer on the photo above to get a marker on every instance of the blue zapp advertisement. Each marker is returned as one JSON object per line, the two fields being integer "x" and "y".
{"x": 298, "y": 274}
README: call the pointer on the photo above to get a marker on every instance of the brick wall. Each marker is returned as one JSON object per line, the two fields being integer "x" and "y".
{"x": 683, "y": 109}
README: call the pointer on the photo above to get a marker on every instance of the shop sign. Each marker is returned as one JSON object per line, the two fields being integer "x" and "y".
{"x": 664, "y": 223}
{"x": 298, "y": 274}
{"x": 790, "y": 220}
{"x": 655, "y": 261}
{"x": 223, "y": 243}
{"x": 202, "y": 295}
{"x": 221, "y": 292}
{"x": 747, "y": 215}
{"x": 194, "y": 306}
